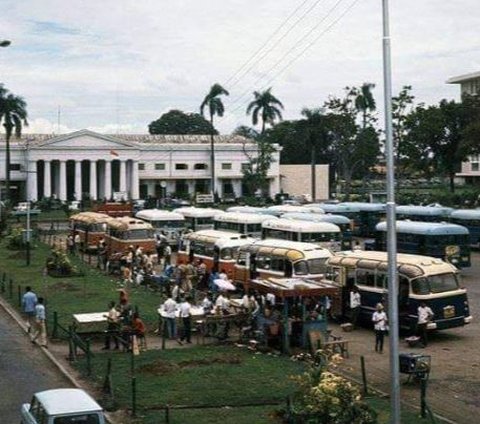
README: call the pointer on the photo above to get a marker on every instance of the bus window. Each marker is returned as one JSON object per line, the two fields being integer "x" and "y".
{"x": 227, "y": 253}
{"x": 317, "y": 266}
{"x": 278, "y": 264}
{"x": 263, "y": 262}
{"x": 420, "y": 286}
{"x": 366, "y": 278}
{"x": 301, "y": 268}
{"x": 443, "y": 283}
{"x": 382, "y": 281}
{"x": 242, "y": 258}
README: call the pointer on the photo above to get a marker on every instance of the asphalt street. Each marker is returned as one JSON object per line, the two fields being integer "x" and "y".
{"x": 24, "y": 370}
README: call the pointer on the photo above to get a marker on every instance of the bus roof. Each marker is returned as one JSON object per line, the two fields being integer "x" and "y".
{"x": 243, "y": 218}
{"x": 337, "y": 208}
{"x": 126, "y": 223}
{"x": 424, "y": 210}
{"x": 279, "y": 209}
{"x": 246, "y": 209}
{"x": 212, "y": 236}
{"x": 66, "y": 401}
{"x": 300, "y": 226}
{"x": 366, "y": 207}
{"x": 316, "y": 217}
{"x": 427, "y": 228}
{"x": 411, "y": 266}
{"x": 193, "y": 212}
{"x": 466, "y": 214}
{"x": 91, "y": 217}
{"x": 159, "y": 215}
{"x": 292, "y": 250}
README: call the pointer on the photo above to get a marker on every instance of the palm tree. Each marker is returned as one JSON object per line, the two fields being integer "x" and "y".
{"x": 215, "y": 107}
{"x": 267, "y": 106}
{"x": 364, "y": 101}
{"x": 13, "y": 114}
{"x": 314, "y": 127}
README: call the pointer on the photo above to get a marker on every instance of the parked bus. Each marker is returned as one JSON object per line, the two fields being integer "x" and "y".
{"x": 198, "y": 218}
{"x": 170, "y": 224}
{"x": 420, "y": 279}
{"x": 248, "y": 209}
{"x": 280, "y": 258}
{"x": 125, "y": 232}
{"x": 218, "y": 249}
{"x": 241, "y": 223}
{"x": 423, "y": 213}
{"x": 323, "y": 234}
{"x": 91, "y": 227}
{"x": 449, "y": 242}
{"x": 470, "y": 219}
{"x": 368, "y": 216}
{"x": 341, "y": 221}
{"x": 281, "y": 209}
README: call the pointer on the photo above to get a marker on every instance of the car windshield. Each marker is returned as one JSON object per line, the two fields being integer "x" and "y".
{"x": 78, "y": 419}
{"x": 440, "y": 283}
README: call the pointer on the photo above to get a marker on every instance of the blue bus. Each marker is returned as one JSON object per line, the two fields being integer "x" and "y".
{"x": 369, "y": 215}
{"x": 470, "y": 219}
{"x": 423, "y": 213}
{"x": 420, "y": 279}
{"x": 341, "y": 221}
{"x": 446, "y": 241}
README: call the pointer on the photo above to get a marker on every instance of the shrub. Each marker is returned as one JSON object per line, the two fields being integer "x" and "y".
{"x": 15, "y": 239}
{"x": 58, "y": 264}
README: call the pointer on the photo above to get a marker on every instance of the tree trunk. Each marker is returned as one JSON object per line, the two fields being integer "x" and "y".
{"x": 212, "y": 157}
{"x": 451, "y": 177}
{"x": 7, "y": 163}
{"x": 348, "y": 183}
{"x": 313, "y": 152}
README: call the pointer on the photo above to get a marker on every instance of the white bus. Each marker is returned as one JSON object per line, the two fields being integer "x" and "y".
{"x": 280, "y": 258}
{"x": 242, "y": 223}
{"x": 281, "y": 209}
{"x": 170, "y": 224}
{"x": 198, "y": 218}
{"x": 249, "y": 209}
{"x": 323, "y": 234}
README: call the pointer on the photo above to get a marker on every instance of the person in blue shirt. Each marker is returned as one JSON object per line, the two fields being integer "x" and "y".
{"x": 40, "y": 327}
{"x": 29, "y": 301}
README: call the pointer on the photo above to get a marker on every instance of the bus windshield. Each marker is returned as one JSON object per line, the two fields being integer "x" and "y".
{"x": 317, "y": 237}
{"x": 435, "y": 284}
{"x": 168, "y": 224}
{"x": 312, "y": 266}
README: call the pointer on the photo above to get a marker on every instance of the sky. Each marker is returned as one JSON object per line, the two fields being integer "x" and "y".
{"x": 115, "y": 66}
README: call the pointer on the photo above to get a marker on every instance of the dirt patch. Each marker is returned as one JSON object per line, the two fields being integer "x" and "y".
{"x": 161, "y": 367}
{"x": 64, "y": 286}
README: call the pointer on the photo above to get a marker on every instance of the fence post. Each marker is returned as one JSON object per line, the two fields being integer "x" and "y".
{"x": 10, "y": 288}
{"x": 19, "y": 292}
{"x": 167, "y": 414}
{"x": 55, "y": 325}
{"x": 89, "y": 358}
{"x": 423, "y": 395}
{"x": 71, "y": 345}
{"x": 364, "y": 376}
{"x": 289, "y": 410}
{"x": 134, "y": 396}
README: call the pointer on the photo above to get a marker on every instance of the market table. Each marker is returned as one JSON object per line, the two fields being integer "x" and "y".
{"x": 93, "y": 322}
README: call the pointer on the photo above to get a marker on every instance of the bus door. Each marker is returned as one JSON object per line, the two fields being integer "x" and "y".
{"x": 403, "y": 299}
{"x": 337, "y": 277}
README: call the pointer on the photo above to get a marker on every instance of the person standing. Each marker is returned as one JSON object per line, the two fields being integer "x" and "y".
{"x": 167, "y": 254}
{"x": 380, "y": 320}
{"x": 185, "y": 315}
{"x": 169, "y": 310}
{"x": 355, "y": 305}
{"x": 113, "y": 325}
{"x": 425, "y": 315}
{"x": 29, "y": 301}
{"x": 40, "y": 327}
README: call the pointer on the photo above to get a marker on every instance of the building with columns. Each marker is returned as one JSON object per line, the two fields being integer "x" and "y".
{"x": 70, "y": 166}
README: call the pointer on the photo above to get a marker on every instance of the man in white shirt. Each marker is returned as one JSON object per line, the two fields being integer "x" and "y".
{"x": 185, "y": 315}
{"x": 169, "y": 310}
{"x": 425, "y": 314}
{"x": 113, "y": 325}
{"x": 355, "y": 305}
{"x": 379, "y": 319}
{"x": 222, "y": 303}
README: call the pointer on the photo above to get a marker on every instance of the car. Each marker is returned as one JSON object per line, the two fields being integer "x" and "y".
{"x": 62, "y": 406}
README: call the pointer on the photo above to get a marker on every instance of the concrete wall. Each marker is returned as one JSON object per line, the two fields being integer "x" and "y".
{"x": 296, "y": 180}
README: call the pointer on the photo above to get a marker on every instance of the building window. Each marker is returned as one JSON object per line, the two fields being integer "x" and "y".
{"x": 181, "y": 166}
{"x": 200, "y": 166}
{"x": 475, "y": 163}
{"x": 226, "y": 166}
{"x": 245, "y": 166}
{"x": 15, "y": 167}
{"x": 141, "y": 167}
{"x": 159, "y": 167}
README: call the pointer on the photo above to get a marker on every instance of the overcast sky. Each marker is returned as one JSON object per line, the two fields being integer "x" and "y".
{"x": 116, "y": 65}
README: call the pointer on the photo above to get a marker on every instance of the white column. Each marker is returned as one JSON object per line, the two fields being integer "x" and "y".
{"x": 108, "y": 179}
{"x": 135, "y": 181}
{"x": 93, "y": 180}
{"x": 32, "y": 181}
{"x": 47, "y": 179}
{"x": 63, "y": 181}
{"x": 123, "y": 176}
{"x": 78, "y": 180}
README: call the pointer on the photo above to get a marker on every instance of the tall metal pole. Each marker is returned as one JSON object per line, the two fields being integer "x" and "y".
{"x": 391, "y": 234}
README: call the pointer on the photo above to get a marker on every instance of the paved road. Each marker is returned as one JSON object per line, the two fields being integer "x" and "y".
{"x": 24, "y": 370}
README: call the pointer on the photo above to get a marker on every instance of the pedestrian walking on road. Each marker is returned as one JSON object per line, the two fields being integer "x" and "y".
{"x": 380, "y": 320}
{"x": 29, "y": 301}
{"x": 40, "y": 326}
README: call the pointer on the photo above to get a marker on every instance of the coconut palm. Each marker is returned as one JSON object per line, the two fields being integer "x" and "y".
{"x": 266, "y": 106}
{"x": 365, "y": 102}
{"x": 213, "y": 102}
{"x": 13, "y": 114}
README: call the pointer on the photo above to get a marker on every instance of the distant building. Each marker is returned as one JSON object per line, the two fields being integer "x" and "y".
{"x": 469, "y": 85}
{"x": 296, "y": 180}
{"x": 69, "y": 166}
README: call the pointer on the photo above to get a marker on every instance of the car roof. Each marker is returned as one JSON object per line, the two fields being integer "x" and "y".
{"x": 67, "y": 401}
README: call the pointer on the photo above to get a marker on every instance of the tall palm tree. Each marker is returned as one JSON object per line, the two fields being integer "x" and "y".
{"x": 365, "y": 102}
{"x": 13, "y": 114}
{"x": 213, "y": 102}
{"x": 267, "y": 106}
{"x": 314, "y": 128}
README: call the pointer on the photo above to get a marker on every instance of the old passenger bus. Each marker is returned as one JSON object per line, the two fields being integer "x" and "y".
{"x": 470, "y": 219}
{"x": 91, "y": 227}
{"x": 198, "y": 218}
{"x": 125, "y": 232}
{"x": 241, "y": 223}
{"x": 170, "y": 224}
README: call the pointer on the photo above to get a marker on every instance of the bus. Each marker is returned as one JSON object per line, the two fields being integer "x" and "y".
{"x": 323, "y": 234}
{"x": 242, "y": 223}
{"x": 470, "y": 219}
{"x": 170, "y": 224}
{"x": 420, "y": 279}
{"x": 198, "y": 218}
{"x": 91, "y": 227}
{"x": 280, "y": 258}
{"x": 341, "y": 221}
{"x": 281, "y": 209}
{"x": 368, "y": 216}
{"x": 125, "y": 232}
{"x": 446, "y": 241}
{"x": 249, "y": 209}
{"x": 423, "y": 213}
{"x": 217, "y": 249}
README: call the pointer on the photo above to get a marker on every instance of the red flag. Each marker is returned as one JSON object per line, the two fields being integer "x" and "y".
{"x": 114, "y": 153}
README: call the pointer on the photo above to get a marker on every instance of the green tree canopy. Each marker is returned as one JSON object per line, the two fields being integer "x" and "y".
{"x": 178, "y": 122}
{"x": 266, "y": 107}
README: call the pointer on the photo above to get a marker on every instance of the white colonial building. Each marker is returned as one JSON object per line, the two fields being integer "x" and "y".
{"x": 68, "y": 166}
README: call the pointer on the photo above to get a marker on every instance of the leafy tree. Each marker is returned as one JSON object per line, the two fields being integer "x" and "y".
{"x": 246, "y": 131}
{"x": 214, "y": 104}
{"x": 178, "y": 122}
{"x": 13, "y": 115}
{"x": 266, "y": 107}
